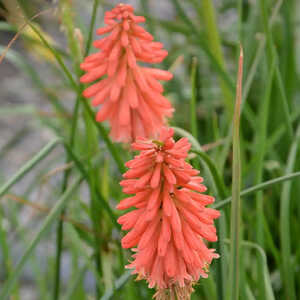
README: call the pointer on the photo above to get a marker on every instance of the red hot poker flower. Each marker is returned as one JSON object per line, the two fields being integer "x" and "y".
{"x": 130, "y": 95}
{"x": 171, "y": 220}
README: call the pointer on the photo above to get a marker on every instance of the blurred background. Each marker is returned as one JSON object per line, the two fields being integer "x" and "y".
{"x": 203, "y": 39}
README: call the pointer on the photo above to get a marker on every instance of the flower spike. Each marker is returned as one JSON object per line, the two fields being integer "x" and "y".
{"x": 170, "y": 222}
{"x": 130, "y": 95}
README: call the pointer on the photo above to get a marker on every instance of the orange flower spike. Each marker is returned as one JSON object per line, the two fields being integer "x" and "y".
{"x": 171, "y": 220}
{"x": 130, "y": 95}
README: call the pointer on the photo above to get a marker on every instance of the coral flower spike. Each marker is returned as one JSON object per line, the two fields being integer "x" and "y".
{"x": 130, "y": 95}
{"x": 171, "y": 222}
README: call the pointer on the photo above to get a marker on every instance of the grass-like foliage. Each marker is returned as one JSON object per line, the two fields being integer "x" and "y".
{"x": 244, "y": 131}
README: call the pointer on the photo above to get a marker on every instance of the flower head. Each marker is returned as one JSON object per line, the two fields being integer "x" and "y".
{"x": 130, "y": 95}
{"x": 171, "y": 220}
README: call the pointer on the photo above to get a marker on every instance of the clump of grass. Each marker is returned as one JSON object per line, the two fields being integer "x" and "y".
{"x": 265, "y": 142}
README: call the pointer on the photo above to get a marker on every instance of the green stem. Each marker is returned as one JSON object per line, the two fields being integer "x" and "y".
{"x": 59, "y": 240}
{"x": 285, "y": 234}
{"x": 96, "y": 216}
{"x": 113, "y": 150}
{"x": 221, "y": 263}
{"x": 236, "y": 183}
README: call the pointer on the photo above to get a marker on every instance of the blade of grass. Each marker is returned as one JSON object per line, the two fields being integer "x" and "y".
{"x": 86, "y": 175}
{"x": 266, "y": 278}
{"x": 101, "y": 129}
{"x": 88, "y": 259}
{"x": 57, "y": 57}
{"x": 59, "y": 242}
{"x": 146, "y": 12}
{"x": 260, "y": 143}
{"x": 197, "y": 146}
{"x": 29, "y": 165}
{"x": 248, "y": 83}
{"x": 285, "y": 106}
{"x": 215, "y": 173}
{"x": 112, "y": 149}
{"x": 288, "y": 276}
{"x": 6, "y": 255}
{"x": 219, "y": 186}
{"x": 21, "y": 63}
{"x": 271, "y": 56}
{"x": 59, "y": 232}
{"x": 236, "y": 185}
{"x": 4, "y": 26}
{"x": 221, "y": 190}
{"x": 201, "y": 41}
{"x": 240, "y": 20}
{"x": 8, "y": 285}
{"x": 92, "y": 25}
{"x": 72, "y": 288}
{"x": 259, "y": 187}
{"x": 13, "y": 141}
{"x": 273, "y": 140}
{"x": 117, "y": 285}
{"x": 193, "y": 104}
{"x": 74, "y": 50}
{"x": 68, "y": 22}
{"x": 170, "y": 26}
{"x": 96, "y": 215}
{"x": 190, "y": 137}
{"x": 289, "y": 52}
{"x": 214, "y": 42}
{"x": 220, "y": 226}
{"x": 95, "y": 208}
{"x": 249, "y": 293}
{"x": 222, "y": 261}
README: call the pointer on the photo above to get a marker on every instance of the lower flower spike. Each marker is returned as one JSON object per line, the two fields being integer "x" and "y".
{"x": 170, "y": 222}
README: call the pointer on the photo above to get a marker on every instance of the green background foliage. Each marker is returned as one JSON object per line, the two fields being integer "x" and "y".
{"x": 250, "y": 165}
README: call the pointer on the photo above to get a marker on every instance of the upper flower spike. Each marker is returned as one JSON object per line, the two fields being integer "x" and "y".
{"x": 171, "y": 220}
{"x": 131, "y": 95}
